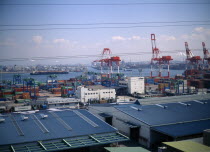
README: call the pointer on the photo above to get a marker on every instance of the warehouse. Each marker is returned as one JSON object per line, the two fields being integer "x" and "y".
{"x": 55, "y": 130}
{"x": 152, "y": 124}
{"x": 184, "y": 146}
{"x": 59, "y": 102}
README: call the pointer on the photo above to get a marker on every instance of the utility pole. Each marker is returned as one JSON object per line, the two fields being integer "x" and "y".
{"x": 1, "y": 73}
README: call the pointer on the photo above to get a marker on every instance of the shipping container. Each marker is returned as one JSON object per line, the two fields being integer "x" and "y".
{"x": 2, "y": 99}
{"x": 150, "y": 81}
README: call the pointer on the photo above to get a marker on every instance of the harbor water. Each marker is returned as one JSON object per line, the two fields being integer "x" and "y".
{"x": 43, "y": 78}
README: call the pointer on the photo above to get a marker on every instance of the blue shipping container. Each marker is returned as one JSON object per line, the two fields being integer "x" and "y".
{"x": 2, "y": 99}
{"x": 150, "y": 81}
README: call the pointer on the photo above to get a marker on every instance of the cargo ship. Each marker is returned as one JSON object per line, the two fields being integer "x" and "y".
{"x": 48, "y": 72}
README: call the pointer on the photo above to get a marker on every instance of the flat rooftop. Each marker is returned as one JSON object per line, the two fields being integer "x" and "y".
{"x": 187, "y": 146}
{"x": 96, "y": 87}
{"x": 61, "y": 127}
{"x": 171, "y": 99}
{"x": 168, "y": 113}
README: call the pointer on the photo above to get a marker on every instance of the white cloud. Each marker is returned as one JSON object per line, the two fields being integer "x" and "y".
{"x": 202, "y": 30}
{"x": 37, "y": 39}
{"x": 121, "y": 38}
{"x": 135, "y": 37}
{"x": 198, "y": 33}
{"x": 61, "y": 41}
{"x": 199, "y": 29}
{"x": 167, "y": 37}
{"x": 118, "y": 38}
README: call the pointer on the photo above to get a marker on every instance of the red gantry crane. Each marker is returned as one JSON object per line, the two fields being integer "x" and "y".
{"x": 206, "y": 58}
{"x": 191, "y": 61}
{"x": 157, "y": 61}
{"x": 107, "y": 60}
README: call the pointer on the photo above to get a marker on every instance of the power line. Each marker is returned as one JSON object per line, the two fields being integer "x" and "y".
{"x": 86, "y": 28}
{"x": 118, "y": 23}
{"x": 89, "y": 56}
{"x": 103, "y": 4}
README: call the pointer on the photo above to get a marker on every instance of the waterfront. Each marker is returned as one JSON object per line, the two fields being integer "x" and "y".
{"x": 43, "y": 78}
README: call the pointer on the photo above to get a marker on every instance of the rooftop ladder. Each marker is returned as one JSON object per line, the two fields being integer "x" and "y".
{"x": 39, "y": 123}
{"x": 61, "y": 121}
{"x": 85, "y": 118}
{"x": 20, "y": 132}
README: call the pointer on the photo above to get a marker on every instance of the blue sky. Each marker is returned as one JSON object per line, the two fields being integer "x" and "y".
{"x": 67, "y": 42}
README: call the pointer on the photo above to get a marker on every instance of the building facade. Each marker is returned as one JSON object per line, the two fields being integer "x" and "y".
{"x": 136, "y": 85}
{"x": 96, "y": 92}
{"x": 152, "y": 124}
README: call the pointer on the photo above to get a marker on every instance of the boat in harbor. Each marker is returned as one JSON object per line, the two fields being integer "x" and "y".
{"x": 127, "y": 69}
{"x": 48, "y": 72}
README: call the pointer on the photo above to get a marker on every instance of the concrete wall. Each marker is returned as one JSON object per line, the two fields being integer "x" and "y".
{"x": 119, "y": 119}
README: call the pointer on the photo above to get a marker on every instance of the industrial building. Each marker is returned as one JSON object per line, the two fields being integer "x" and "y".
{"x": 136, "y": 85}
{"x": 152, "y": 124}
{"x": 59, "y": 102}
{"x": 184, "y": 146}
{"x": 125, "y": 149}
{"x": 95, "y": 93}
{"x": 55, "y": 130}
{"x": 171, "y": 99}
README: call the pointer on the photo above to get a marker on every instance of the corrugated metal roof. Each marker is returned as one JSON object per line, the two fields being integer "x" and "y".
{"x": 183, "y": 129}
{"x": 66, "y": 143}
{"x": 188, "y": 146}
{"x": 173, "y": 113}
{"x": 126, "y": 149}
{"x": 183, "y": 98}
{"x": 53, "y": 127}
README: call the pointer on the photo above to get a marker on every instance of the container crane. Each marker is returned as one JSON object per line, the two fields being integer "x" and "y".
{"x": 157, "y": 60}
{"x": 191, "y": 60}
{"x": 107, "y": 60}
{"x": 17, "y": 79}
{"x": 206, "y": 56}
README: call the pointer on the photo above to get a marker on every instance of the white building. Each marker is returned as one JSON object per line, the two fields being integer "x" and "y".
{"x": 136, "y": 85}
{"x": 95, "y": 92}
{"x": 59, "y": 102}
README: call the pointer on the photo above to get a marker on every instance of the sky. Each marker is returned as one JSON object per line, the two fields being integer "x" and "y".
{"x": 70, "y": 40}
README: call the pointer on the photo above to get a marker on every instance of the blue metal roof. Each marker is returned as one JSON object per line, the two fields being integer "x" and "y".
{"x": 154, "y": 115}
{"x": 183, "y": 129}
{"x": 65, "y": 143}
{"x": 59, "y": 124}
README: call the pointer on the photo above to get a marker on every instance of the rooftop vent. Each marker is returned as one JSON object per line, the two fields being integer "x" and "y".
{"x": 164, "y": 107}
{"x": 43, "y": 116}
{"x": 23, "y": 117}
{"x": 2, "y": 119}
{"x": 138, "y": 109}
{"x": 200, "y": 102}
{"x": 186, "y": 104}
